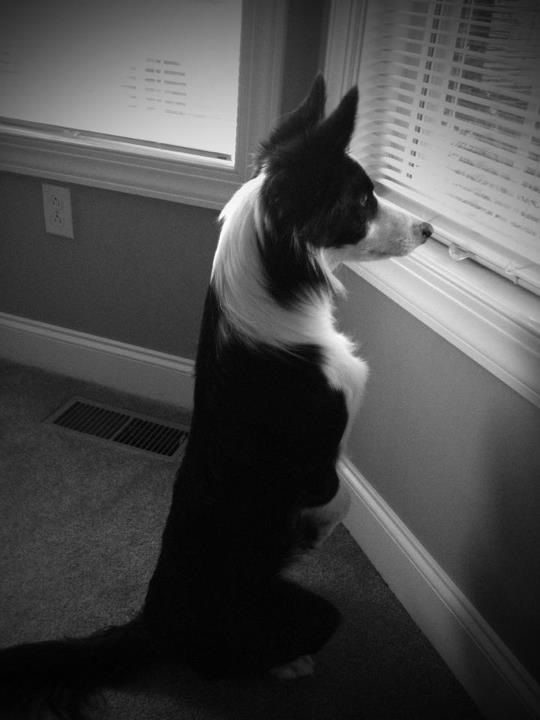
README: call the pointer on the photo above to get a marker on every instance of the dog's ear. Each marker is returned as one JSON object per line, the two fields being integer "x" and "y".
{"x": 336, "y": 131}
{"x": 302, "y": 120}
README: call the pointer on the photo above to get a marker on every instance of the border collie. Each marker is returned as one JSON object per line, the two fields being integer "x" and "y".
{"x": 276, "y": 388}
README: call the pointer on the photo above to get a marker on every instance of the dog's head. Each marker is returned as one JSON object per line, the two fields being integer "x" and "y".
{"x": 316, "y": 193}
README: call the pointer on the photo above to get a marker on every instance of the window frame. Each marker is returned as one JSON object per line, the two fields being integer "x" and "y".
{"x": 164, "y": 173}
{"x": 493, "y": 321}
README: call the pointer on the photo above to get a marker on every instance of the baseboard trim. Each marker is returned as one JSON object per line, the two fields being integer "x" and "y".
{"x": 491, "y": 674}
{"x": 127, "y": 368}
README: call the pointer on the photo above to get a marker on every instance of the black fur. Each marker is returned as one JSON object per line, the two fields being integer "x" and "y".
{"x": 263, "y": 446}
{"x": 59, "y": 675}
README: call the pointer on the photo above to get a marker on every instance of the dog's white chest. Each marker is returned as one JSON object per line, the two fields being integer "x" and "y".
{"x": 345, "y": 371}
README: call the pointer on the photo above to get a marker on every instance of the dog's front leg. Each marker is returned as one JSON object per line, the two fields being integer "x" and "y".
{"x": 322, "y": 519}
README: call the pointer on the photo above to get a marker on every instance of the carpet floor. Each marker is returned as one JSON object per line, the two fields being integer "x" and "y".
{"x": 80, "y": 525}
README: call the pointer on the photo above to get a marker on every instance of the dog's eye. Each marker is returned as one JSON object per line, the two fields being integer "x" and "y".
{"x": 364, "y": 199}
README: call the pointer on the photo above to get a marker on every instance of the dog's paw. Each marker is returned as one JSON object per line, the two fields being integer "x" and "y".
{"x": 300, "y": 667}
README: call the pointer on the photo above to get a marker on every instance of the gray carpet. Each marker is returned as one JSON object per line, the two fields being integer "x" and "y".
{"x": 80, "y": 524}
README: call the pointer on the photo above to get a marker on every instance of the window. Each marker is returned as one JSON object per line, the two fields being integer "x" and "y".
{"x": 163, "y": 74}
{"x": 167, "y": 99}
{"x": 450, "y": 122}
{"x": 446, "y": 61}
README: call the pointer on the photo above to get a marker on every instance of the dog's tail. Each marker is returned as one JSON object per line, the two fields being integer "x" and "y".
{"x": 58, "y": 676}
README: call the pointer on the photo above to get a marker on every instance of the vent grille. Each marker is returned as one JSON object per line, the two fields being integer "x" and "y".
{"x": 130, "y": 430}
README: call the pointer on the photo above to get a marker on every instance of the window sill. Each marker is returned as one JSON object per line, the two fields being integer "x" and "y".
{"x": 488, "y": 318}
{"x": 160, "y": 173}
{"x": 167, "y": 176}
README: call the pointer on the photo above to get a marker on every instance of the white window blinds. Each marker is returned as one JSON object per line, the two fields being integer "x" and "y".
{"x": 449, "y": 122}
{"x": 162, "y": 73}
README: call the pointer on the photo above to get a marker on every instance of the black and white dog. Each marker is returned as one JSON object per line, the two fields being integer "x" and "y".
{"x": 276, "y": 388}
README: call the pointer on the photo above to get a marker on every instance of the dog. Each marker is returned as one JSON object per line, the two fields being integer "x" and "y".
{"x": 276, "y": 389}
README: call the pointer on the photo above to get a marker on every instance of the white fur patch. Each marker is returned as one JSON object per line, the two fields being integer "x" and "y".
{"x": 347, "y": 372}
{"x": 391, "y": 233}
{"x": 301, "y": 667}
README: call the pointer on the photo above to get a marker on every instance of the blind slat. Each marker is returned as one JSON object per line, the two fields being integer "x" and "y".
{"x": 450, "y": 118}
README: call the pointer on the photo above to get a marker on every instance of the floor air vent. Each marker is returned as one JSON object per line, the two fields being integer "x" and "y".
{"x": 134, "y": 431}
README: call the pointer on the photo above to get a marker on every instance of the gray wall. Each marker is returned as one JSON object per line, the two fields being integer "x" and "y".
{"x": 136, "y": 272}
{"x": 456, "y": 454}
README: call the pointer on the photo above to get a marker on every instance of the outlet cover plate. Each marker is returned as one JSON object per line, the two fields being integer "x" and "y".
{"x": 57, "y": 210}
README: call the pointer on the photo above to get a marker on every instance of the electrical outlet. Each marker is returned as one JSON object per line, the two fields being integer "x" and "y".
{"x": 57, "y": 210}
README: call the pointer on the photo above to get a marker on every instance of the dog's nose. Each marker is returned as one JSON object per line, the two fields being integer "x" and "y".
{"x": 426, "y": 230}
